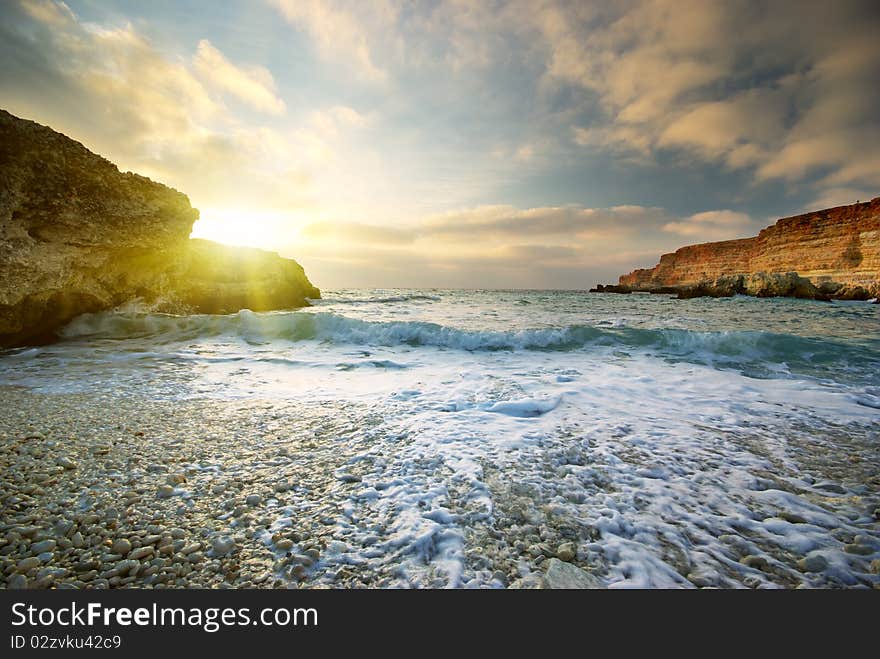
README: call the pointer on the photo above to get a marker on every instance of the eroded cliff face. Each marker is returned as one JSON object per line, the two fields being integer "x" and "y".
{"x": 836, "y": 249}
{"x": 77, "y": 235}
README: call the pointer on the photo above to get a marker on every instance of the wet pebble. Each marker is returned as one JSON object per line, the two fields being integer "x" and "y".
{"x": 814, "y": 563}
{"x": 859, "y": 550}
{"x": 755, "y": 562}
{"x": 566, "y": 551}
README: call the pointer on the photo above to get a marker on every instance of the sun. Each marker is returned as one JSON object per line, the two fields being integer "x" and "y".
{"x": 245, "y": 228}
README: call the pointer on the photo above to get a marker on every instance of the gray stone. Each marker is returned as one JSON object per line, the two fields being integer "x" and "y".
{"x": 222, "y": 545}
{"x": 792, "y": 518}
{"x": 561, "y": 575}
{"x": 701, "y": 579}
{"x": 28, "y": 563}
{"x": 814, "y": 563}
{"x": 17, "y": 582}
{"x": 529, "y": 582}
{"x": 62, "y": 527}
{"x": 755, "y": 562}
{"x": 43, "y": 546}
{"x": 253, "y": 500}
{"x": 164, "y": 491}
{"x": 827, "y": 486}
{"x": 141, "y": 553}
{"x": 566, "y": 551}
{"x": 129, "y": 565}
{"x": 121, "y": 546}
{"x": 859, "y": 550}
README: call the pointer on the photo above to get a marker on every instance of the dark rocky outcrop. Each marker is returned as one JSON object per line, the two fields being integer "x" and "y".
{"x": 611, "y": 288}
{"x": 759, "y": 284}
{"x": 832, "y": 253}
{"x": 77, "y": 235}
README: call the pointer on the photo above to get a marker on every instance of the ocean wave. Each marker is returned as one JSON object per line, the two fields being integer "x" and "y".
{"x": 738, "y": 348}
{"x": 407, "y": 297}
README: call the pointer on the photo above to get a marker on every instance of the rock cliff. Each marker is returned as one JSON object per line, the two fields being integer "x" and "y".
{"x": 77, "y": 235}
{"x": 828, "y": 253}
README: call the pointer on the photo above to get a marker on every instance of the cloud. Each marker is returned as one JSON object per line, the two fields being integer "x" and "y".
{"x": 430, "y": 139}
{"x": 714, "y": 225}
{"x": 254, "y": 86}
{"x": 356, "y": 233}
{"x": 735, "y": 130}
{"x": 49, "y": 13}
{"x": 509, "y": 246}
{"x": 568, "y": 221}
{"x": 737, "y": 83}
{"x": 340, "y": 30}
{"x": 147, "y": 110}
{"x": 831, "y": 197}
{"x": 333, "y": 120}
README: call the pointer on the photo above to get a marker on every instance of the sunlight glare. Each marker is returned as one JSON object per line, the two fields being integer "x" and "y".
{"x": 246, "y": 228}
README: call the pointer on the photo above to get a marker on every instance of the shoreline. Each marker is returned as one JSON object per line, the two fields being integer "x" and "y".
{"x": 108, "y": 492}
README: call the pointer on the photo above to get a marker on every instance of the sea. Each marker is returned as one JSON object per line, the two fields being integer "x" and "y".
{"x": 673, "y": 442}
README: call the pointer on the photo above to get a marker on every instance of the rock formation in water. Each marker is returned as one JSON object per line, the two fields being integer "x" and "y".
{"x": 77, "y": 235}
{"x": 828, "y": 254}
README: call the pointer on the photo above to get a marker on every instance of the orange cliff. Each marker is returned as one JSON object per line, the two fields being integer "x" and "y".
{"x": 836, "y": 249}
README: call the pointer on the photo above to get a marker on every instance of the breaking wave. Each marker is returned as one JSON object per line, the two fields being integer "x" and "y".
{"x": 408, "y": 297}
{"x": 763, "y": 353}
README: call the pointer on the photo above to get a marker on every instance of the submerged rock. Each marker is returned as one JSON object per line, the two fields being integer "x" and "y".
{"x": 77, "y": 235}
{"x": 814, "y": 563}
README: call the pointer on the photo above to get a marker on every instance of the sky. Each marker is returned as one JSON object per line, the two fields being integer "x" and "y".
{"x": 464, "y": 143}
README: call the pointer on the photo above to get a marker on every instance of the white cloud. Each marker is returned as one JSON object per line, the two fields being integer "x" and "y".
{"x": 50, "y": 13}
{"x": 831, "y": 197}
{"x": 255, "y": 86}
{"x": 508, "y": 246}
{"x": 341, "y": 31}
{"x": 153, "y": 112}
{"x": 714, "y": 225}
{"x": 332, "y": 121}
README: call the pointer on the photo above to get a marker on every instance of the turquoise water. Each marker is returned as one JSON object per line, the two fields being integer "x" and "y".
{"x": 771, "y": 338}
